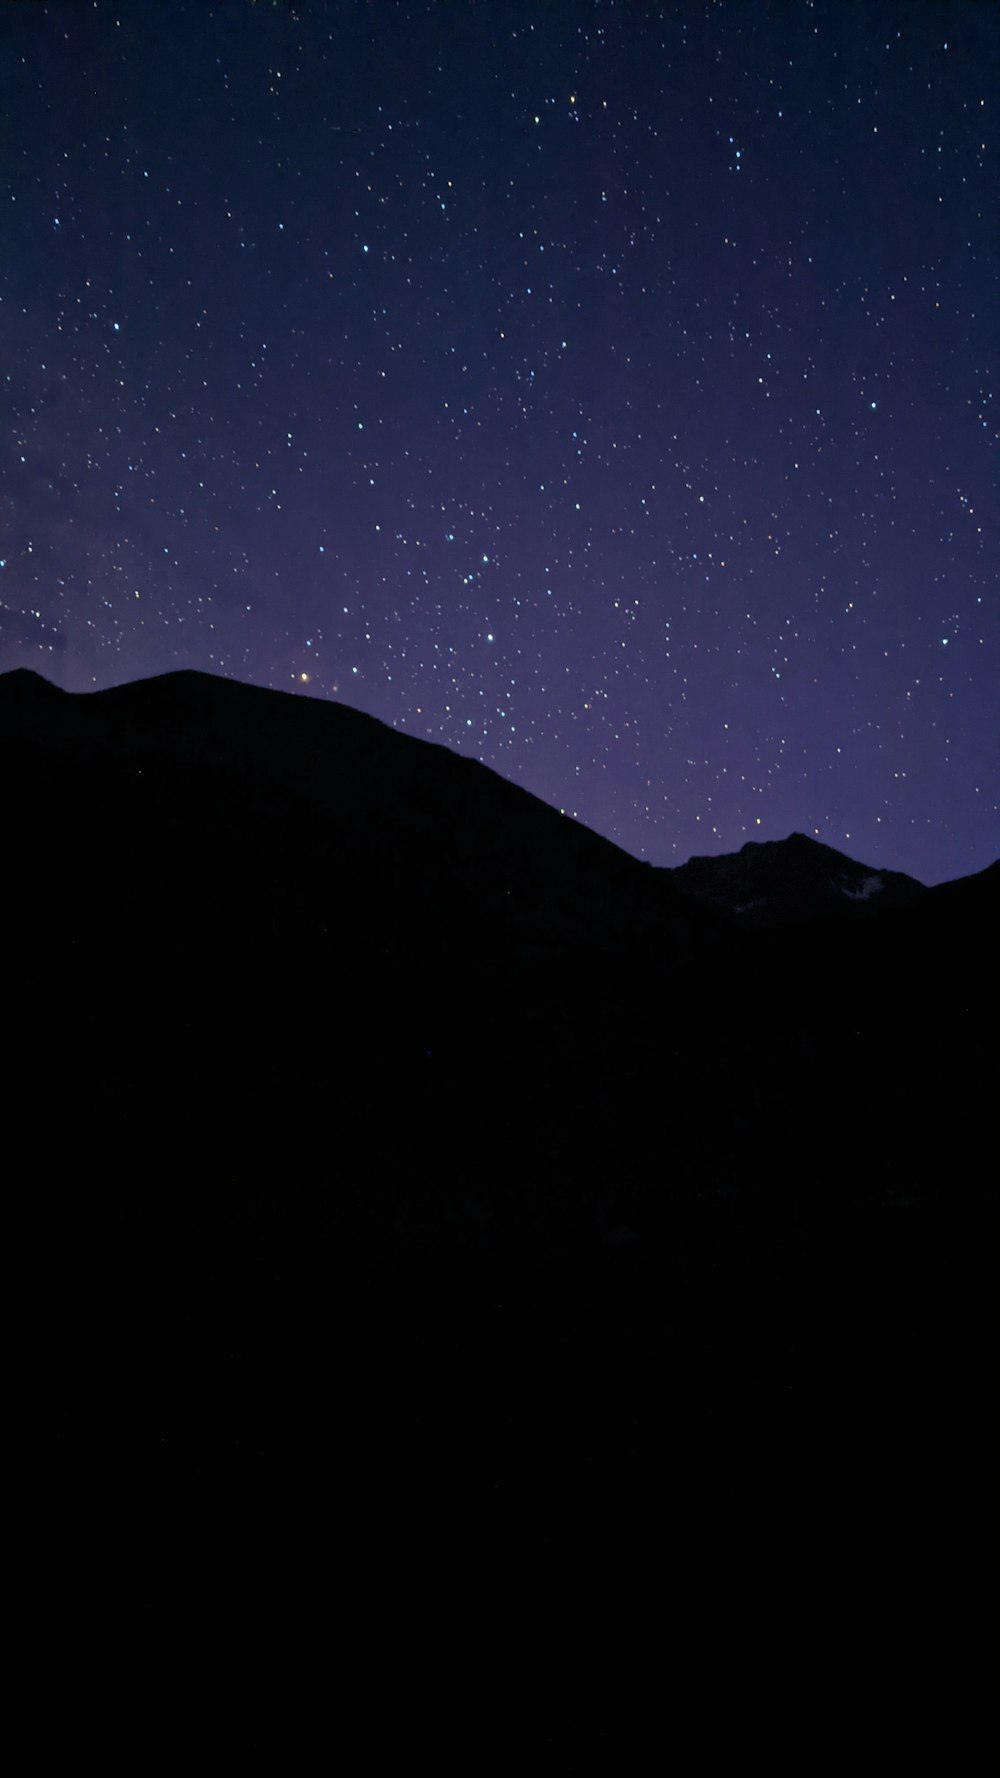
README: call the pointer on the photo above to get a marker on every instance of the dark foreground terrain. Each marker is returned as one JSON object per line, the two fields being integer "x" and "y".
{"x": 549, "y": 1298}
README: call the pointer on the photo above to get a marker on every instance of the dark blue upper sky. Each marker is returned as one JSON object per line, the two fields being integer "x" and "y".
{"x": 602, "y": 390}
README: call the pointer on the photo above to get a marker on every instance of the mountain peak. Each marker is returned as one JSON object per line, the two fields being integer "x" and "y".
{"x": 22, "y": 682}
{"x": 770, "y": 881}
{"x": 801, "y": 843}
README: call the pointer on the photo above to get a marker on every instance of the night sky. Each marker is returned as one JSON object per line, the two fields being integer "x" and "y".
{"x": 601, "y": 390}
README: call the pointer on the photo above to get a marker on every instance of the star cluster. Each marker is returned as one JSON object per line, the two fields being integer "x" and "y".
{"x": 601, "y": 390}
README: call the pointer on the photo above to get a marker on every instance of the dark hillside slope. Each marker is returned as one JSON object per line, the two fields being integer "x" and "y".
{"x": 402, "y": 1155}
{"x": 290, "y": 902}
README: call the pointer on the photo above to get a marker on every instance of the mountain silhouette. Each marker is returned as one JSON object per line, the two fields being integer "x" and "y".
{"x": 208, "y": 864}
{"x": 768, "y": 882}
{"x": 391, "y": 1138}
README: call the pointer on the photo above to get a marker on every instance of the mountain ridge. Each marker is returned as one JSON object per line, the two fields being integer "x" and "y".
{"x": 770, "y": 881}
{"x": 718, "y": 878}
{"x": 388, "y": 1140}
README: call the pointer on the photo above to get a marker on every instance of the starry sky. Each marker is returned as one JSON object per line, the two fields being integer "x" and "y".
{"x": 602, "y": 390}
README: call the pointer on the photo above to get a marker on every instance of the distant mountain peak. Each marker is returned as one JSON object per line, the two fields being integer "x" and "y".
{"x": 796, "y": 842}
{"x": 795, "y": 838}
{"x": 772, "y": 881}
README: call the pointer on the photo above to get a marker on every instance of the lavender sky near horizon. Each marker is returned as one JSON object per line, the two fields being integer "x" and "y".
{"x": 604, "y": 391}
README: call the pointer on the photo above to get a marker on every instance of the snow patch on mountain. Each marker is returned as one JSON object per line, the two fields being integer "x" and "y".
{"x": 869, "y": 886}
